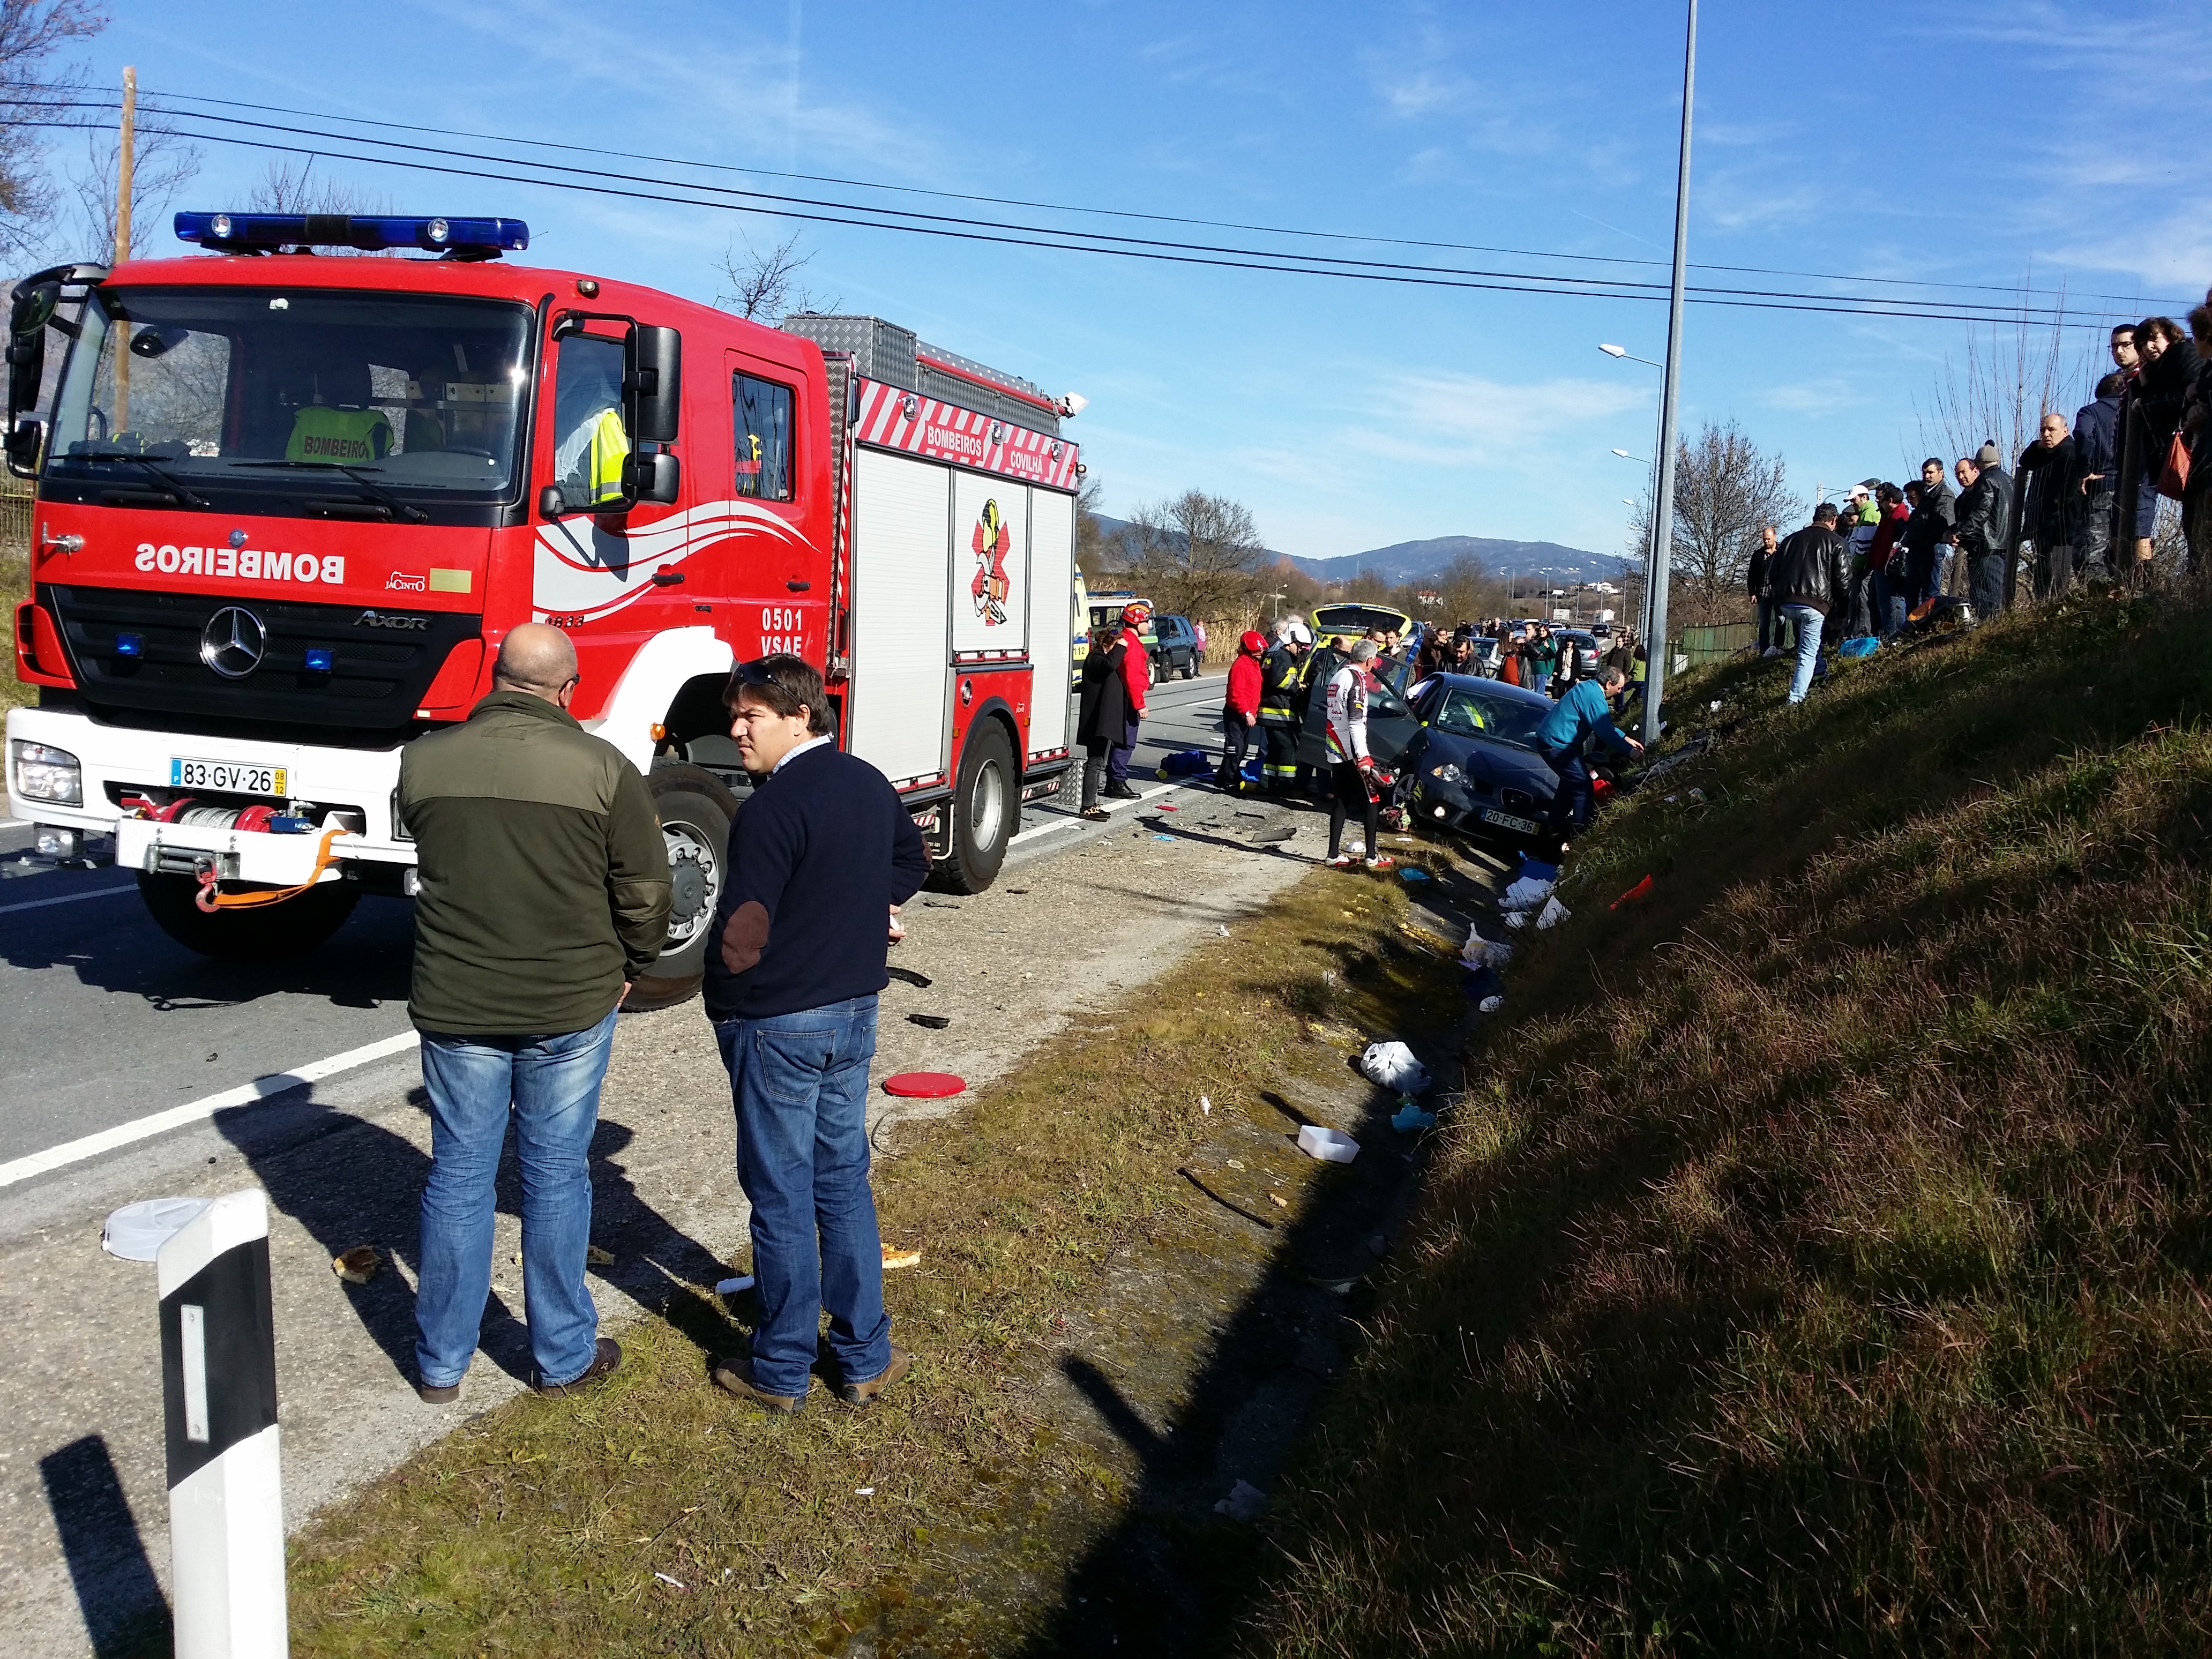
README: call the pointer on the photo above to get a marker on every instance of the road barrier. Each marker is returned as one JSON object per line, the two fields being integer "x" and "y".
{"x": 219, "y": 1394}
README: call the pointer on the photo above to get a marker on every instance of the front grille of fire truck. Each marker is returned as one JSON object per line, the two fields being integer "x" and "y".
{"x": 137, "y": 653}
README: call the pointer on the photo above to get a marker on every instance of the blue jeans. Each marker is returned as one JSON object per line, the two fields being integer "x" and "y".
{"x": 1807, "y": 621}
{"x": 552, "y": 1084}
{"x": 800, "y": 1084}
{"x": 1570, "y": 799}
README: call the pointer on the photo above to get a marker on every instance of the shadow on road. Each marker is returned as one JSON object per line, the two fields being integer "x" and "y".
{"x": 125, "y": 1614}
{"x": 355, "y": 1183}
{"x": 113, "y": 945}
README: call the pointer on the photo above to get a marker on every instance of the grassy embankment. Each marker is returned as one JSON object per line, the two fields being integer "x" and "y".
{"x": 1823, "y": 1268}
{"x": 15, "y": 586}
{"x": 541, "y": 1528}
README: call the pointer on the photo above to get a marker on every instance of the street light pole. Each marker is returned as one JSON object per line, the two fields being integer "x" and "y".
{"x": 1662, "y": 507}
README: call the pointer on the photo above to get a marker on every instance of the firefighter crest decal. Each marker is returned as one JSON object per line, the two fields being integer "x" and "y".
{"x": 992, "y": 542}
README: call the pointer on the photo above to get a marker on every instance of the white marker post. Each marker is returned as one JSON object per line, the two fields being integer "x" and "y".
{"x": 219, "y": 1393}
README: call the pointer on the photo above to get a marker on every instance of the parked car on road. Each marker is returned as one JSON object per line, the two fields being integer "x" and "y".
{"x": 1175, "y": 647}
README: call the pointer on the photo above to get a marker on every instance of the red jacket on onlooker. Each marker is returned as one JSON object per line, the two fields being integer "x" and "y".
{"x": 1136, "y": 669}
{"x": 1245, "y": 685}
{"x": 1885, "y": 534}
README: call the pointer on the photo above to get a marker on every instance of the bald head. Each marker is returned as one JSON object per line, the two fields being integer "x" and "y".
{"x": 536, "y": 659}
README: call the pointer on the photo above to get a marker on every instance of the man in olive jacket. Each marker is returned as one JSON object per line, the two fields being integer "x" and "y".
{"x": 545, "y": 892}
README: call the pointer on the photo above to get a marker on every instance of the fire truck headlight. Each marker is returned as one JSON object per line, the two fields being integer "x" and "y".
{"x": 219, "y": 227}
{"x": 47, "y": 774}
{"x": 438, "y": 230}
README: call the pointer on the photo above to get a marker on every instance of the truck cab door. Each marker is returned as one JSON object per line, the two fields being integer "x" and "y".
{"x": 770, "y": 558}
{"x": 607, "y": 571}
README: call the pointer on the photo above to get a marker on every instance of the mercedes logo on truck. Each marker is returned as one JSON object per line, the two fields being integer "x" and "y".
{"x": 233, "y": 641}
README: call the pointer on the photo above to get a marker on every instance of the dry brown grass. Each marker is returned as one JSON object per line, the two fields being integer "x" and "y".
{"x": 1822, "y": 1268}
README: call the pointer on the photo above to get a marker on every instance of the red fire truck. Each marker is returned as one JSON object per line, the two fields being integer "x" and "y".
{"x": 289, "y": 505}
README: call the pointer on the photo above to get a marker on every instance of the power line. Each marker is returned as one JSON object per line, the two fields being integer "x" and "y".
{"x": 631, "y": 186}
{"x": 1118, "y": 213}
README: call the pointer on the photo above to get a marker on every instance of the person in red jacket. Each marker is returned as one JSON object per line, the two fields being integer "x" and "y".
{"x": 1240, "y": 711}
{"x": 1116, "y": 677}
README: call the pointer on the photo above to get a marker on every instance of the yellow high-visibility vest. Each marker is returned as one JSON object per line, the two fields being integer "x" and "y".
{"x": 353, "y": 437}
{"x": 609, "y": 447}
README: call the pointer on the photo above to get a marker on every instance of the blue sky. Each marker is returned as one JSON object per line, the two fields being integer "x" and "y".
{"x": 1967, "y": 143}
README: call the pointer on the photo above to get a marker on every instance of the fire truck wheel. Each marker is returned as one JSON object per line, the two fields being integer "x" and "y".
{"x": 694, "y": 812}
{"x": 986, "y": 811}
{"x": 262, "y": 934}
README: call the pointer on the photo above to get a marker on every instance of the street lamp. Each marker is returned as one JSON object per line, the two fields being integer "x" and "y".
{"x": 1622, "y": 351}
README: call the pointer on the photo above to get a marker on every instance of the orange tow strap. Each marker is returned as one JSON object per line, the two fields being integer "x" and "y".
{"x": 210, "y": 901}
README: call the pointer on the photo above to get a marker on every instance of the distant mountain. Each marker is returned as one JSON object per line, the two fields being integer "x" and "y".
{"x": 1413, "y": 561}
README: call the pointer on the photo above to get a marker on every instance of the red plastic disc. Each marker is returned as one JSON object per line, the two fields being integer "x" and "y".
{"x": 924, "y": 1086}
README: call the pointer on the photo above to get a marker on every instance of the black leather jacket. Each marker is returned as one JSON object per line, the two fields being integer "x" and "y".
{"x": 1809, "y": 569}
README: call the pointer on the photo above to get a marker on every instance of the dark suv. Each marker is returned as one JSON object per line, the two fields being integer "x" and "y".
{"x": 1177, "y": 649}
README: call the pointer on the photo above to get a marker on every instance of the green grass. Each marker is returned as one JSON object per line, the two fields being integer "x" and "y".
{"x": 539, "y": 1529}
{"x": 14, "y": 587}
{"x": 1822, "y": 1267}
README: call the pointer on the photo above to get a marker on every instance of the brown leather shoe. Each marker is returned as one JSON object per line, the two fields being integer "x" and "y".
{"x": 867, "y": 1393}
{"x": 604, "y": 1361}
{"x": 736, "y": 1374}
{"x": 444, "y": 1396}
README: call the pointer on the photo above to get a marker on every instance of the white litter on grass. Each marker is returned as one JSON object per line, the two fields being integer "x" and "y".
{"x": 1223, "y": 930}
{"x": 1554, "y": 914}
{"x": 1205, "y": 1107}
{"x": 1245, "y": 1502}
{"x": 1330, "y": 1145}
{"x": 1491, "y": 1005}
{"x": 1392, "y": 1065}
{"x": 1526, "y": 894}
{"x": 864, "y": 1491}
{"x": 137, "y": 1231}
{"x": 731, "y": 1286}
{"x": 665, "y": 1579}
{"x": 1478, "y": 950}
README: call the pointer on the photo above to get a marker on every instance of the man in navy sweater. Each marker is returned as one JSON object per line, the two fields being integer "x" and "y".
{"x": 820, "y": 856}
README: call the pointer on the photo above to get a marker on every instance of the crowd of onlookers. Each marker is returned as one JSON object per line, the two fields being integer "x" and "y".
{"x": 2080, "y": 504}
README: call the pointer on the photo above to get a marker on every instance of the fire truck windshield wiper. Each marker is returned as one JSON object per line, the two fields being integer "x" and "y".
{"x": 176, "y": 485}
{"x": 375, "y": 491}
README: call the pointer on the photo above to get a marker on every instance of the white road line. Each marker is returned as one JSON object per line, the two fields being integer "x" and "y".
{"x": 198, "y": 1111}
{"x": 1073, "y": 822}
{"x": 65, "y": 898}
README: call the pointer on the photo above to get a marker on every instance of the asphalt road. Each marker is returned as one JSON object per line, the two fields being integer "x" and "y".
{"x": 111, "y": 1024}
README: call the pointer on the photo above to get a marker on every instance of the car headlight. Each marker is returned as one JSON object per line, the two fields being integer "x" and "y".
{"x": 1448, "y": 774}
{"x": 47, "y": 774}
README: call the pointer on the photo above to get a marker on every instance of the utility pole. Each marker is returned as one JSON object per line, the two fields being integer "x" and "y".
{"x": 124, "y": 155}
{"x": 1663, "y": 530}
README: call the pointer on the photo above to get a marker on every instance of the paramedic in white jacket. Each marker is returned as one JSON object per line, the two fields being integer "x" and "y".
{"x": 1352, "y": 767}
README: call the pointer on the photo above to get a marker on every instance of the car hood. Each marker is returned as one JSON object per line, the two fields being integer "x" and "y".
{"x": 1486, "y": 761}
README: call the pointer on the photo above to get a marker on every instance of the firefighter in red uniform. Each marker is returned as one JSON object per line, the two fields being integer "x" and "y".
{"x": 1240, "y": 711}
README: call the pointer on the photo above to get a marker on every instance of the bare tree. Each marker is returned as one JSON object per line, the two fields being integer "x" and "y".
{"x": 764, "y": 286}
{"x": 1726, "y": 488}
{"x": 34, "y": 34}
{"x": 1198, "y": 555}
{"x": 163, "y": 165}
{"x": 289, "y": 187}
{"x": 2010, "y": 374}
{"x": 1089, "y": 534}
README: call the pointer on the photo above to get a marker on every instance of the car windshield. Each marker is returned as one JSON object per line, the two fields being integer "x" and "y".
{"x": 1467, "y": 711}
{"x": 252, "y": 390}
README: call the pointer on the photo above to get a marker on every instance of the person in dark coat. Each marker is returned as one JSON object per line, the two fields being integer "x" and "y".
{"x": 1810, "y": 582}
{"x": 1926, "y": 534}
{"x": 2134, "y": 494}
{"x": 1981, "y": 532}
{"x": 1110, "y": 704}
{"x": 2169, "y": 378}
{"x": 2045, "y": 502}
{"x": 2096, "y": 467}
{"x": 2196, "y": 421}
{"x": 1754, "y": 582}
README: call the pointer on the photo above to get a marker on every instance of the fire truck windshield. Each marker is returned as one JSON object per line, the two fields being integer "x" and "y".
{"x": 318, "y": 401}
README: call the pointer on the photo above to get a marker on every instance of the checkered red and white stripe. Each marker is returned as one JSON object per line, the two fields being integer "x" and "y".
{"x": 915, "y": 425}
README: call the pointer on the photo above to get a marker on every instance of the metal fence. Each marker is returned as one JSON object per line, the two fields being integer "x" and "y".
{"x": 1714, "y": 644}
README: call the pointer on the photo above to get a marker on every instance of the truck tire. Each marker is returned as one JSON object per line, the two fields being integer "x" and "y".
{"x": 987, "y": 810}
{"x": 694, "y": 812}
{"x": 267, "y": 933}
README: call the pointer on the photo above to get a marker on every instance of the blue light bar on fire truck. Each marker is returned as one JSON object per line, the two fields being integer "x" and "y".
{"x": 262, "y": 232}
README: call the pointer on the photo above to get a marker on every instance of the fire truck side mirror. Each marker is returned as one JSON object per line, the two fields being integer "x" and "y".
{"x": 653, "y": 384}
{"x": 651, "y": 477}
{"x": 24, "y": 440}
{"x": 27, "y": 343}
